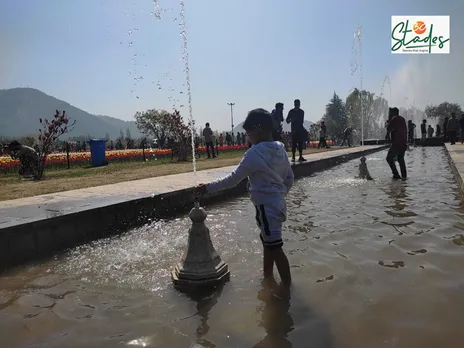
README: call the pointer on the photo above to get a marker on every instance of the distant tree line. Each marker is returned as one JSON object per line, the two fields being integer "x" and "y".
{"x": 341, "y": 114}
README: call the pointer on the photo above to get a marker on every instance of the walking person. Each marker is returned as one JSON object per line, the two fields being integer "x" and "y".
{"x": 299, "y": 134}
{"x": 453, "y": 126}
{"x": 323, "y": 136}
{"x": 347, "y": 135}
{"x": 399, "y": 135}
{"x": 208, "y": 134}
{"x": 277, "y": 119}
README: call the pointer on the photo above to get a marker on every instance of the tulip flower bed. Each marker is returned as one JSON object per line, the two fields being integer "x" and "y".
{"x": 58, "y": 160}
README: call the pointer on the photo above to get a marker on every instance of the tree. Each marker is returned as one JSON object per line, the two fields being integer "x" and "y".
{"x": 107, "y": 137}
{"x": 166, "y": 126}
{"x": 335, "y": 117}
{"x": 121, "y": 138}
{"x": 49, "y": 134}
{"x": 443, "y": 110}
{"x": 156, "y": 123}
{"x": 128, "y": 133}
{"x": 362, "y": 102}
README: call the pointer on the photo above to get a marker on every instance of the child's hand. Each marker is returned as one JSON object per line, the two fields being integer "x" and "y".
{"x": 200, "y": 190}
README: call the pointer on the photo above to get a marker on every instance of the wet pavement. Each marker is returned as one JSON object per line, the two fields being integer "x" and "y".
{"x": 375, "y": 264}
{"x": 456, "y": 155}
{"x": 31, "y": 209}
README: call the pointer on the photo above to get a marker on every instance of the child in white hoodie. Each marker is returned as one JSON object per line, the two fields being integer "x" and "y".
{"x": 270, "y": 177}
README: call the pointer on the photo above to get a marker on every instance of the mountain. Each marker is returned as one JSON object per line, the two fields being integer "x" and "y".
{"x": 285, "y": 126}
{"x": 21, "y": 108}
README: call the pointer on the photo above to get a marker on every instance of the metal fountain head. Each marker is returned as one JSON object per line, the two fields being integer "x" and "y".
{"x": 197, "y": 214}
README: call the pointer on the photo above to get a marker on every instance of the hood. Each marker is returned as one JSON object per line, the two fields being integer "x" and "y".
{"x": 272, "y": 152}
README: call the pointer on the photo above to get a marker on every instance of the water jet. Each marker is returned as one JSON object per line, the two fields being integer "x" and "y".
{"x": 201, "y": 266}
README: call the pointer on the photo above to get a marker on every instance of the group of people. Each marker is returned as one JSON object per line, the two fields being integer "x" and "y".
{"x": 451, "y": 128}
{"x": 299, "y": 134}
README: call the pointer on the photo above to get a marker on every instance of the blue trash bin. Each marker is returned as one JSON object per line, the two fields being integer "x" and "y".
{"x": 97, "y": 152}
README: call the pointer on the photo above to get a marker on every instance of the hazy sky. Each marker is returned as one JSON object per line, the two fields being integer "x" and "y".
{"x": 114, "y": 57}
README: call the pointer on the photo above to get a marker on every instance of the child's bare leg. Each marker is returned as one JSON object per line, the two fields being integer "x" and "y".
{"x": 283, "y": 266}
{"x": 268, "y": 263}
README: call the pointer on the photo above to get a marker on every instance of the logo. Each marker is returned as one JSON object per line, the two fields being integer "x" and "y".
{"x": 420, "y": 34}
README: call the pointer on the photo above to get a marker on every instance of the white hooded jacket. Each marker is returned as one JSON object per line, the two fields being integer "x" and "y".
{"x": 269, "y": 173}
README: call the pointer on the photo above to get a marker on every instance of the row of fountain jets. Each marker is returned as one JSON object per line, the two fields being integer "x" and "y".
{"x": 356, "y": 70}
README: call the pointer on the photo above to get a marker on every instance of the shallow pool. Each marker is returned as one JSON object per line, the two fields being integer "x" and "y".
{"x": 375, "y": 264}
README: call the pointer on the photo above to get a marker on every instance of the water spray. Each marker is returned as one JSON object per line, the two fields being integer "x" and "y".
{"x": 201, "y": 266}
{"x": 185, "y": 58}
{"x": 382, "y": 90}
{"x": 358, "y": 53}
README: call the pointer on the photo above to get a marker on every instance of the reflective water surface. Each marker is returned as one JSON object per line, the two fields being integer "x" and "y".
{"x": 375, "y": 264}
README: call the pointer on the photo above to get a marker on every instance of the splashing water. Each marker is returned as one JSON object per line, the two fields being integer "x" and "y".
{"x": 358, "y": 65}
{"x": 185, "y": 58}
{"x": 157, "y": 12}
{"x": 382, "y": 90}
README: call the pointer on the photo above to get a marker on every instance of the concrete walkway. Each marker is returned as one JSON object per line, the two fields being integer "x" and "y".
{"x": 456, "y": 156}
{"x": 31, "y": 209}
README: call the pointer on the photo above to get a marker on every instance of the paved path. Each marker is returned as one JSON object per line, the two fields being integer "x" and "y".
{"x": 30, "y": 209}
{"x": 456, "y": 154}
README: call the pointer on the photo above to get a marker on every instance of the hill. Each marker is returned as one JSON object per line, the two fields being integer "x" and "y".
{"x": 21, "y": 108}
{"x": 285, "y": 126}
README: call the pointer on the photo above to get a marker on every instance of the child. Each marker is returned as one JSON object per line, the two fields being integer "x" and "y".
{"x": 270, "y": 178}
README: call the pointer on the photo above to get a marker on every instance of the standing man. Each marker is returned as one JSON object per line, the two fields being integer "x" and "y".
{"x": 411, "y": 128}
{"x": 397, "y": 127}
{"x": 277, "y": 119}
{"x": 423, "y": 131}
{"x": 323, "y": 136}
{"x": 453, "y": 126}
{"x": 438, "y": 131}
{"x": 299, "y": 133}
{"x": 208, "y": 134}
{"x": 445, "y": 128}
{"x": 430, "y": 131}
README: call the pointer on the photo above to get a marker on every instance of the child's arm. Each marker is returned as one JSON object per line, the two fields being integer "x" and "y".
{"x": 289, "y": 179}
{"x": 244, "y": 169}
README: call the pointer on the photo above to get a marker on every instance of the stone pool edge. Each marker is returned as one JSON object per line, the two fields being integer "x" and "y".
{"x": 454, "y": 163}
{"x": 37, "y": 240}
